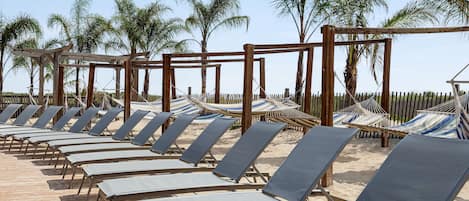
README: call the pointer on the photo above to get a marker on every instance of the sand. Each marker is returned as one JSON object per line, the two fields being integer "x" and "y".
{"x": 23, "y": 178}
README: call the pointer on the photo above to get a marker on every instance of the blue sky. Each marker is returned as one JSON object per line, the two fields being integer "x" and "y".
{"x": 419, "y": 62}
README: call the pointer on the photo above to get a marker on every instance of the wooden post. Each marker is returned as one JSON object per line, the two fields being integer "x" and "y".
{"x": 166, "y": 84}
{"x": 386, "y": 85}
{"x": 189, "y": 91}
{"x": 118, "y": 83}
{"x": 246, "y": 117}
{"x": 262, "y": 81}
{"x": 173, "y": 84}
{"x": 90, "y": 91}
{"x": 217, "y": 83}
{"x": 127, "y": 88}
{"x": 309, "y": 77}
{"x": 134, "y": 79}
{"x": 327, "y": 90}
{"x": 41, "y": 82}
{"x": 386, "y": 74}
{"x": 286, "y": 93}
{"x": 262, "y": 78}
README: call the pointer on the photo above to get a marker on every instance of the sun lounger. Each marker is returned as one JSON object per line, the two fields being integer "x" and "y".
{"x": 40, "y": 123}
{"x": 59, "y": 125}
{"x": 158, "y": 150}
{"x": 97, "y": 129}
{"x": 298, "y": 175}
{"x": 226, "y": 175}
{"x": 78, "y": 126}
{"x": 188, "y": 162}
{"x": 119, "y": 136}
{"x": 7, "y": 113}
{"x": 421, "y": 168}
{"x": 23, "y": 117}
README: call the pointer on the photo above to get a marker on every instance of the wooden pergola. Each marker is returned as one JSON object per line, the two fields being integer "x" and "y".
{"x": 178, "y": 58}
{"x": 57, "y": 56}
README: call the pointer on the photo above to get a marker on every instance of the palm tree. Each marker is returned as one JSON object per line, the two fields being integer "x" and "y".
{"x": 210, "y": 17}
{"x": 10, "y": 32}
{"x": 451, "y": 10}
{"x": 143, "y": 29}
{"x": 84, "y": 30}
{"x": 356, "y": 14}
{"x": 308, "y": 16}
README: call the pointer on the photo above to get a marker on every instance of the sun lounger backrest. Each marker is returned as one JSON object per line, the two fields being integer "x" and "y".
{"x": 151, "y": 127}
{"x": 308, "y": 161}
{"x": 421, "y": 168}
{"x": 25, "y": 115}
{"x": 8, "y": 112}
{"x": 69, "y": 114}
{"x": 129, "y": 124}
{"x": 241, "y": 156}
{"x": 46, "y": 116}
{"x": 206, "y": 140}
{"x": 170, "y": 135}
{"x": 104, "y": 121}
{"x": 84, "y": 120}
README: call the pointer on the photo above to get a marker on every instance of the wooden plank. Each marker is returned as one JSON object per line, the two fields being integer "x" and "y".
{"x": 262, "y": 78}
{"x": 309, "y": 79}
{"x": 217, "y": 83}
{"x": 118, "y": 83}
{"x": 356, "y": 30}
{"x": 41, "y": 82}
{"x": 246, "y": 118}
{"x": 166, "y": 85}
{"x": 386, "y": 74}
{"x": 173, "y": 84}
{"x": 127, "y": 89}
{"x": 90, "y": 91}
{"x": 327, "y": 90}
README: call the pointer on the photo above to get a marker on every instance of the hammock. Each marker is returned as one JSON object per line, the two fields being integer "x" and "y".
{"x": 446, "y": 120}
{"x": 365, "y": 113}
{"x": 285, "y": 111}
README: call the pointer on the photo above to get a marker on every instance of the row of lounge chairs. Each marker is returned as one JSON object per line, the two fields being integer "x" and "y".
{"x": 418, "y": 168}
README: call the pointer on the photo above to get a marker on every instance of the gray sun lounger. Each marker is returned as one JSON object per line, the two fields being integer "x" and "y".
{"x": 77, "y": 127}
{"x": 41, "y": 122}
{"x": 299, "y": 173}
{"x": 7, "y": 113}
{"x": 25, "y": 115}
{"x": 97, "y": 129}
{"x": 119, "y": 136}
{"x": 421, "y": 168}
{"x": 227, "y": 173}
{"x": 59, "y": 125}
{"x": 188, "y": 162}
{"x": 158, "y": 150}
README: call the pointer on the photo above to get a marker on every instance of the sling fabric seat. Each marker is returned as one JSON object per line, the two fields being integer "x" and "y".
{"x": 7, "y": 113}
{"x": 187, "y": 162}
{"x": 25, "y": 115}
{"x": 298, "y": 174}
{"x": 39, "y": 125}
{"x": 118, "y": 140}
{"x": 159, "y": 148}
{"x": 78, "y": 126}
{"x": 233, "y": 166}
{"x": 97, "y": 129}
{"x": 421, "y": 168}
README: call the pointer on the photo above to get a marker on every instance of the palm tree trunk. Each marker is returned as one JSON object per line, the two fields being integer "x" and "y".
{"x": 134, "y": 75}
{"x": 204, "y": 69}
{"x": 2, "y": 51}
{"x": 350, "y": 74}
{"x": 31, "y": 80}
{"x": 299, "y": 72}
{"x": 146, "y": 84}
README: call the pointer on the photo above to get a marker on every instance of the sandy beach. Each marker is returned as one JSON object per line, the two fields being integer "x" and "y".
{"x": 24, "y": 178}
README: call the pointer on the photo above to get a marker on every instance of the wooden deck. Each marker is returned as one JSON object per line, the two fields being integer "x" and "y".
{"x": 23, "y": 178}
